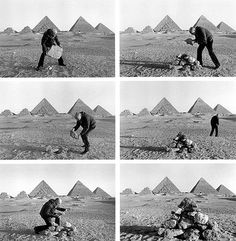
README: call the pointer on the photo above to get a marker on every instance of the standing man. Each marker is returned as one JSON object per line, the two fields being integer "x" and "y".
{"x": 48, "y": 40}
{"x": 205, "y": 39}
{"x": 88, "y": 123}
{"x": 214, "y": 125}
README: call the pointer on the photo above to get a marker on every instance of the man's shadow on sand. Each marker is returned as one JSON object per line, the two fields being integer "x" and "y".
{"x": 26, "y": 231}
{"x": 136, "y": 229}
{"x": 147, "y": 64}
{"x": 147, "y": 148}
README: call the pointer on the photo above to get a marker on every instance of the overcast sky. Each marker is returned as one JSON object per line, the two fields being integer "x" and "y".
{"x": 184, "y": 176}
{"x": 60, "y": 177}
{"x": 140, "y": 13}
{"x": 181, "y": 94}
{"x": 16, "y": 95}
{"x": 63, "y": 13}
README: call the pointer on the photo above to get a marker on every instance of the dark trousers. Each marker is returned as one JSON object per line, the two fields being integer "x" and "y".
{"x": 48, "y": 221}
{"x": 42, "y": 57}
{"x": 85, "y": 137}
{"x": 209, "y": 46}
{"x": 214, "y": 128}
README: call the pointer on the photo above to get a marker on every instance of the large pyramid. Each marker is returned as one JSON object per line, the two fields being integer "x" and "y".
{"x": 101, "y": 193}
{"x": 126, "y": 113}
{"x": 205, "y": 23}
{"x": 144, "y": 112}
{"x": 167, "y": 24}
{"x": 224, "y": 190}
{"x": 200, "y": 107}
{"x": 80, "y": 106}
{"x": 146, "y": 191}
{"x": 6, "y": 113}
{"x": 203, "y": 187}
{"x": 82, "y": 26}
{"x": 147, "y": 29}
{"x": 80, "y": 190}
{"x": 222, "y": 110}
{"x": 101, "y": 111}
{"x": 44, "y": 108}
{"x": 225, "y": 28}
{"x": 25, "y": 30}
{"x": 101, "y": 28}
{"x": 164, "y": 107}
{"x": 127, "y": 191}
{"x": 166, "y": 186}
{"x": 24, "y": 112}
{"x": 42, "y": 190}
{"x": 130, "y": 30}
{"x": 22, "y": 195}
{"x": 44, "y": 25}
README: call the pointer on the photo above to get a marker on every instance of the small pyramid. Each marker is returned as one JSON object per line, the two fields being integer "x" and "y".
{"x": 101, "y": 193}
{"x": 80, "y": 190}
{"x": 82, "y": 26}
{"x": 9, "y": 30}
{"x": 144, "y": 112}
{"x": 200, "y": 107}
{"x": 222, "y": 110}
{"x": 224, "y": 190}
{"x": 205, "y": 23}
{"x": 101, "y": 28}
{"x": 225, "y": 28}
{"x": 130, "y": 30}
{"x": 126, "y": 113}
{"x": 4, "y": 195}
{"x": 6, "y": 113}
{"x": 101, "y": 112}
{"x": 167, "y": 24}
{"x": 24, "y": 112}
{"x": 80, "y": 106}
{"x": 166, "y": 186}
{"x": 22, "y": 195}
{"x": 164, "y": 107}
{"x": 42, "y": 190}
{"x": 44, "y": 25}
{"x": 147, "y": 29}
{"x": 204, "y": 187}
{"x": 44, "y": 108}
{"x": 25, "y": 30}
{"x": 127, "y": 191}
{"x": 146, "y": 191}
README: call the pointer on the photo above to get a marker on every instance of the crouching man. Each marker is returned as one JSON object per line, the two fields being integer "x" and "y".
{"x": 182, "y": 143}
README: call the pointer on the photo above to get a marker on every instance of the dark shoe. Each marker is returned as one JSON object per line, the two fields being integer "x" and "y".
{"x": 38, "y": 68}
{"x": 36, "y": 231}
{"x": 85, "y": 151}
{"x": 62, "y": 64}
{"x": 217, "y": 66}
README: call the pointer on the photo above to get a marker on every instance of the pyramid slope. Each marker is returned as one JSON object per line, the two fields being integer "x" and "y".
{"x": 201, "y": 107}
{"x": 222, "y": 110}
{"x": 147, "y": 29}
{"x": 24, "y": 112}
{"x": 101, "y": 28}
{"x": 130, "y": 30}
{"x": 146, "y": 191}
{"x": 144, "y": 112}
{"x": 100, "y": 111}
{"x": 80, "y": 190}
{"x": 22, "y": 195}
{"x": 164, "y": 107}
{"x": 223, "y": 27}
{"x": 9, "y": 30}
{"x": 166, "y": 186}
{"x": 80, "y": 106}
{"x": 26, "y": 29}
{"x": 205, "y": 23}
{"x": 101, "y": 193}
{"x": 224, "y": 190}
{"x": 127, "y": 191}
{"x": 126, "y": 113}
{"x": 44, "y": 25}
{"x": 44, "y": 108}
{"x": 82, "y": 26}
{"x": 203, "y": 186}
{"x": 43, "y": 190}
{"x": 6, "y": 113}
{"x": 167, "y": 24}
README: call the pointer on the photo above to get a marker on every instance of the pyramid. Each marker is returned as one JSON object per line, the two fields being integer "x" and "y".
{"x": 203, "y": 186}
{"x": 130, "y": 30}
{"x": 80, "y": 106}
{"x": 44, "y": 25}
{"x": 146, "y": 191}
{"x": 25, "y": 30}
{"x": 81, "y": 25}
{"x": 24, "y": 112}
{"x": 205, "y": 23}
{"x": 224, "y": 190}
{"x": 127, "y": 191}
{"x": 167, "y": 24}
{"x": 44, "y": 108}
{"x": 101, "y": 111}
{"x": 147, "y": 29}
{"x": 22, "y": 195}
{"x": 126, "y": 113}
{"x": 144, "y": 112}
{"x": 101, "y": 193}
{"x": 80, "y": 190}
{"x": 4, "y": 195}
{"x": 42, "y": 190}
{"x": 222, "y": 110}
{"x": 166, "y": 186}
{"x": 9, "y": 30}
{"x": 6, "y": 113}
{"x": 101, "y": 28}
{"x": 225, "y": 28}
{"x": 200, "y": 107}
{"x": 164, "y": 107}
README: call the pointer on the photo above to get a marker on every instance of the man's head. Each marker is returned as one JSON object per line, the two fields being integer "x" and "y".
{"x": 54, "y": 31}
{"x": 78, "y": 115}
{"x": 58, "y": 201}
{"x": 192, "y": 30}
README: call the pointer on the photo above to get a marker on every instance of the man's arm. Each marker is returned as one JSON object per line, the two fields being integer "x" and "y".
{"x": 202, "y": 38}
{"x": 57, "y": 41}
{"x": 76, "y": 127}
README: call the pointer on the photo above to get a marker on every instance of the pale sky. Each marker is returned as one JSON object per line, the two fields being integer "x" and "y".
{"x": 181, "y": 94}
{"x": 140, "y": 13}
{"x": 184, "y": 176}
{"x": 16, "y": 95}
{"x": 63, "y": 13}
{"x": 60, "y": 177}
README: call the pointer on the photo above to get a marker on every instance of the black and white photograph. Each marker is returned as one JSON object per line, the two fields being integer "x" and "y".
{"x": 177, "y": 202}
{"x": 177, "y": 120}
{"x": 57, "y": 120}
{"x": 183, "y": 38}
{"x": 57, "y": 38}
{"x": 57, "y": 202}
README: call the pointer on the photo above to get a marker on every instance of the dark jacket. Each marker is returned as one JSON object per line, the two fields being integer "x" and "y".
{"x": 48, "y": 40}
{"x": 86, "y": 122}
{"x": 49, "y": 208}
{"x": 202, "y": 35}
{"x": 215, "y": 120}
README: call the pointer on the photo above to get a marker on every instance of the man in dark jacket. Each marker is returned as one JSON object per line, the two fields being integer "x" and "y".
{"x": 48, "y": 40}
{"x": 214, "y": 124}
{"x": 88, "y": 123}
{"x": 205, "y": 39}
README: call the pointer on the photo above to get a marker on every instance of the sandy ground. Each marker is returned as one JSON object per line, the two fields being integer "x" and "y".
{"x": 147, "y": 138}
{"x": 87, "y": 55}
{"x": 34, "y": 137}
{"x": 153, "y": 54}
{"x": 94, "y": 219}
{"x": 140, "y": 215}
